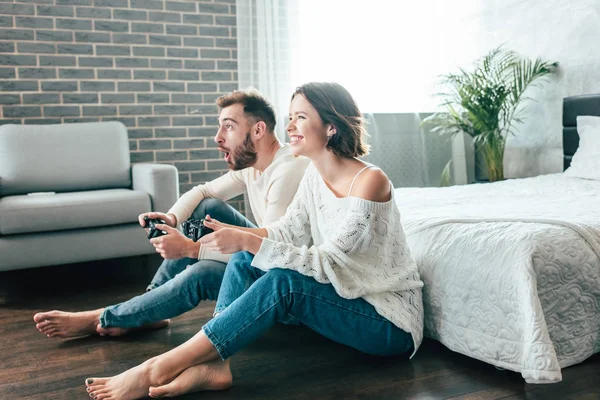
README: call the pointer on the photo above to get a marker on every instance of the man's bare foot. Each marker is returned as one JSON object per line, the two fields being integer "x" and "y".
{"x": 116, "y": 331}
{"x": 214, "y": 375}
{"x": 62, "y": 324}
{"x": 133, "y": 383}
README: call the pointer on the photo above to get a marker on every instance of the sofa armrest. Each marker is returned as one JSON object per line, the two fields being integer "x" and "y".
{"x": 160, "y": 181}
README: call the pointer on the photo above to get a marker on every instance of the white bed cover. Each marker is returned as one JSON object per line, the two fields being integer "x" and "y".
{"x": 511, "y": 270}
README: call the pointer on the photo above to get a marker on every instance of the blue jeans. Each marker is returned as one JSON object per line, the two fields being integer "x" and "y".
{"x": 179, "y": 285}
{"x": 251, "y": 301}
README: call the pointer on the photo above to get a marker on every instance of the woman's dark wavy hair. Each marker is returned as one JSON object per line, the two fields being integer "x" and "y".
{"x": 336, "y": 106}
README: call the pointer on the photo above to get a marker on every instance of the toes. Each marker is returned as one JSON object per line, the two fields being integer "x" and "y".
{"x": 39, "y": 317}
{"x": 99, "y": 394}
{"x": 162, "y": 391}
{"x": 95, "y": 388}
{"x": 112, "y": 331}
{"x": 47, "y": 327}
{"x": 101, "y": 331}
{"x": 50, "y": 332}
{"x": 154, "y": 393}
{"x": 96, "y": 381}
{"x": 43, "y": 324}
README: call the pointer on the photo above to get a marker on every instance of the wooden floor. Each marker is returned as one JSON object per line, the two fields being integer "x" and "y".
{"x": 287, "y": 363}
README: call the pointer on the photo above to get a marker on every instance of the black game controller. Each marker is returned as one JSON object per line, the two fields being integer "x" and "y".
{"x": 195, "y": 229}
{"x": 153, "y": 232}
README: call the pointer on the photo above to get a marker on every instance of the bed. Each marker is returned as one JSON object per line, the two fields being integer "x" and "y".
{"x": 512, "y": 269}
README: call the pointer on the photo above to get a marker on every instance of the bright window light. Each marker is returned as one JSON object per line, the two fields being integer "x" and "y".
{"x": 388, "y": 54}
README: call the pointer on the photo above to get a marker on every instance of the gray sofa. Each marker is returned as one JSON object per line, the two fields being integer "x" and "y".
{"x": 68, "y": 193}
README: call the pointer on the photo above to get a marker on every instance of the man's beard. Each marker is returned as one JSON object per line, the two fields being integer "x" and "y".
{"x": 243, "y": 156}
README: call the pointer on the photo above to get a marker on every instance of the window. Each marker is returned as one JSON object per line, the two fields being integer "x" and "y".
{"x": 387, "y": 53}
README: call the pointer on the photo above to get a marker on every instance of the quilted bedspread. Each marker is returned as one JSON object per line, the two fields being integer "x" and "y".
{"x": 511, "y": 270}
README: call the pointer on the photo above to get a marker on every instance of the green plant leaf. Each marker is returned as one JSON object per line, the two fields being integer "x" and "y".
{"x": 446, "y": 177}
{"x": 488, "y": 102}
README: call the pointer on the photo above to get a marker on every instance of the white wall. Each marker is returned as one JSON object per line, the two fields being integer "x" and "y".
{"x": 555, "y": 30}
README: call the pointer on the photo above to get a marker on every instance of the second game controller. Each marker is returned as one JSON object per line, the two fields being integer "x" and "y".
{"x": 195, "y": 229}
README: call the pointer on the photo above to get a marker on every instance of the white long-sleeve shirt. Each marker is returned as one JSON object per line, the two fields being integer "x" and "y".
{"x": 269, "y": 192}
{"x": 356, "y": 245}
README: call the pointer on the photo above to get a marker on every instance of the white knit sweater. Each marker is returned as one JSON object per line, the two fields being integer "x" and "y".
{"x": 356, "y": 245}
{"x": 269, "y": 192}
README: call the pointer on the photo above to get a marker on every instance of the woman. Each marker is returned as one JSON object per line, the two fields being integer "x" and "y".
{"x": 337, "y": 262}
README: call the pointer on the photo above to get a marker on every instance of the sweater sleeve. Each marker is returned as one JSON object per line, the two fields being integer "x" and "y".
{"x": 294, "y": 226}
{"x": 224, "y": 187}
{"x": 350, "y": 260}
{"x": 283, "y": 186}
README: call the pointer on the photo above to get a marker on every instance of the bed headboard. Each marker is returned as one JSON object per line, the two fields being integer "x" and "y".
{"x": 572, "y": 107}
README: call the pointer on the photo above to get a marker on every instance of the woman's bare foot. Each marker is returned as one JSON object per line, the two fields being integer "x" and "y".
{"x": 214, "y": 375}
{"x": 116, "y": 331}
{"x": 157, "y": 371}
{"x": 62, "y": 324}
{"x": 133, "y": 383}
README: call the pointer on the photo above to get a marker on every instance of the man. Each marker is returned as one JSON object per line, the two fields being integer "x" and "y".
{"x": 260, "y": 165}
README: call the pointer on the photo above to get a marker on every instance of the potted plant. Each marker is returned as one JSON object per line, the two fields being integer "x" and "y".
{"x": 488, "y": 102}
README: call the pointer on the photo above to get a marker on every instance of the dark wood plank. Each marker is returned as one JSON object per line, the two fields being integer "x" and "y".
{"x": 287, "y": 362}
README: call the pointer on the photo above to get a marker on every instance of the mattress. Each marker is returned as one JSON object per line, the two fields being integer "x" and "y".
{"x": 511, "y": 270}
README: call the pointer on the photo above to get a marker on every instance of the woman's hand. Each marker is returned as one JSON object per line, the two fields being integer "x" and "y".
{"x": 225, "y": 240}
{"x": 214, "y": 224}
{"x": 228, "y": 239}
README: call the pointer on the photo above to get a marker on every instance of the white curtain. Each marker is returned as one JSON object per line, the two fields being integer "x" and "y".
{"x": 264, "y": 37}
{"x": 387, "y": 53}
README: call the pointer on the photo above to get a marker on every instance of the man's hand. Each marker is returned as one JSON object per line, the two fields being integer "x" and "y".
{"x": 168, "y": 218}
{"x": 174, "y": 244}
{"x": 225, "y": 240}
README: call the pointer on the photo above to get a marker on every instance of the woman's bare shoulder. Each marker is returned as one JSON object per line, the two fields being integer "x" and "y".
{"x": 373, "y": 185}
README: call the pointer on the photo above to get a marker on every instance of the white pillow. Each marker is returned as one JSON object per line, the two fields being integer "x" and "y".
{"x": 586, "y": 161}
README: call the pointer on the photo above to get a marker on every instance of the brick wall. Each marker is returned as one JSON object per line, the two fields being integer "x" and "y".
{"x": 155, "y": 65}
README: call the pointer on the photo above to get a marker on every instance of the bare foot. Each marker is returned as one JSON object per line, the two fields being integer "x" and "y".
{"x": 214, "y": 375}
{"x": 157, "y": 371}
{"x": 66, "y": 324}
{"x": 116, "y": 331}
{"x": 131, "y": 384}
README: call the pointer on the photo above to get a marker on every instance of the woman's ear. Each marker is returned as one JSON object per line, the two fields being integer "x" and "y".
{"x": 331, "y": 131}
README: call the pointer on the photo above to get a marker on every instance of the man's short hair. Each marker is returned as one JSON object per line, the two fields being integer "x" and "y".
{"x": 256, "y": 106}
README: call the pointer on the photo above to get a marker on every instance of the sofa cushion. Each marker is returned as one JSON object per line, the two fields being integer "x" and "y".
{"x": 43, "y": 212}
{"x": 63, "y": 157}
